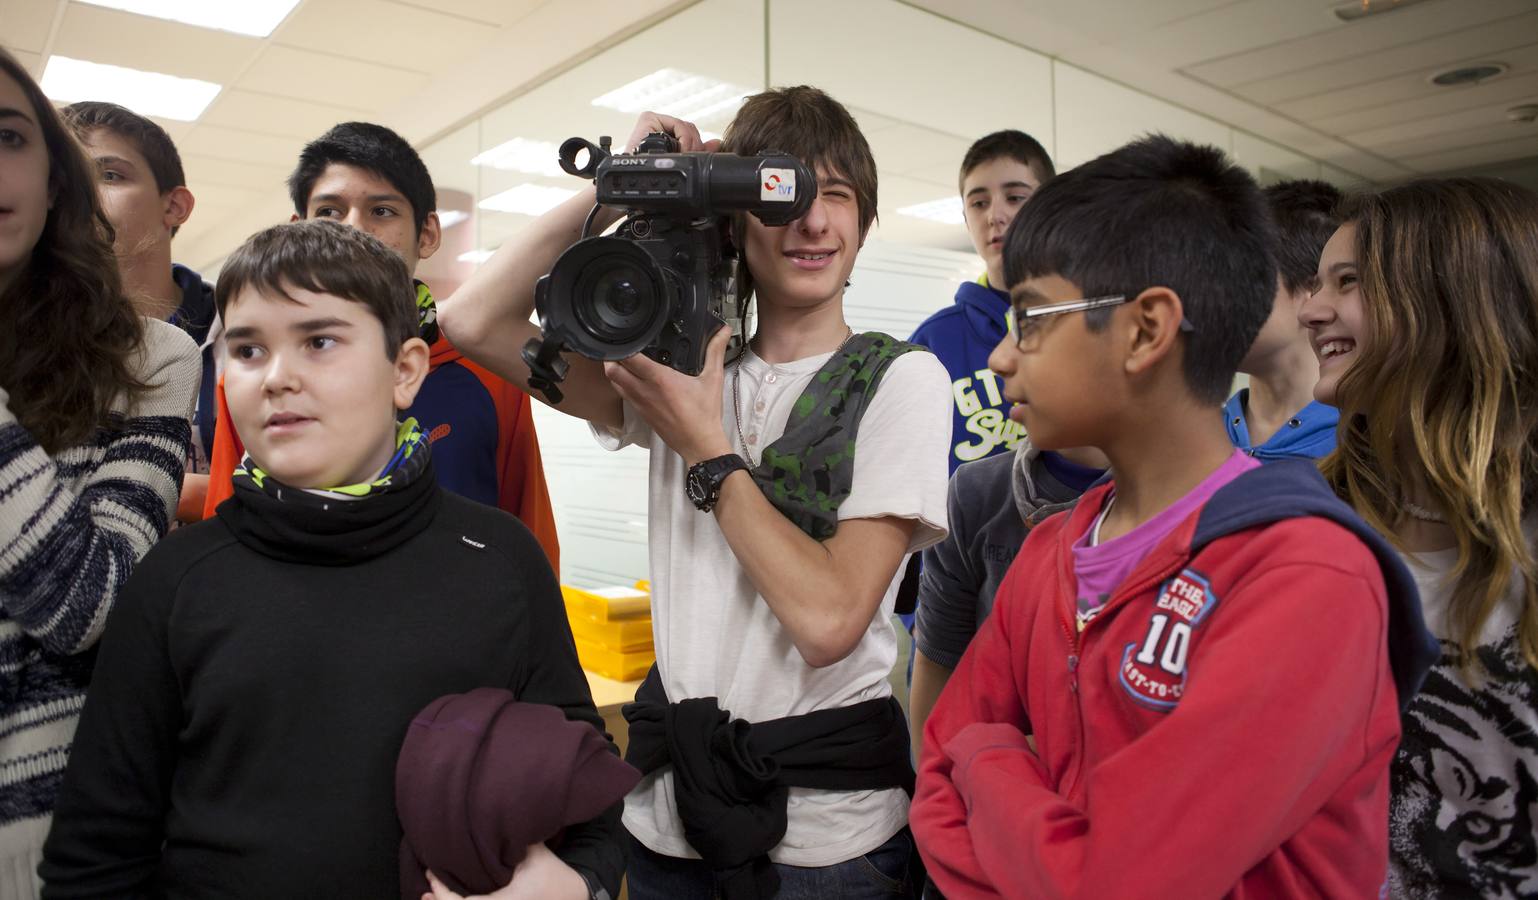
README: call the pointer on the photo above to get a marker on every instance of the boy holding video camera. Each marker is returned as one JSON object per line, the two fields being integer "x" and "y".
{"x": 772, "y": 596}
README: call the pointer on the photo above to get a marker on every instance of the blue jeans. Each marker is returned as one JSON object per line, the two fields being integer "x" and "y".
{"x": 887, "y": 871}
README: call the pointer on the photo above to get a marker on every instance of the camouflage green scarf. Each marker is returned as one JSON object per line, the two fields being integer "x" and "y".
{"x": 809, "y": 470}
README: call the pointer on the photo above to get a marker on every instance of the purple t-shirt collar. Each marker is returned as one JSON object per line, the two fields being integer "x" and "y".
{"x": 1101, "y": 568}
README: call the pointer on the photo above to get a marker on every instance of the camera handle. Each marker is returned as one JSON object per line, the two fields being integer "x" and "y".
{"x": 546, "y": 367}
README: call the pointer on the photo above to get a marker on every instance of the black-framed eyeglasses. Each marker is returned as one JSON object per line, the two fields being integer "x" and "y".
{"x": 1026, "y": 321}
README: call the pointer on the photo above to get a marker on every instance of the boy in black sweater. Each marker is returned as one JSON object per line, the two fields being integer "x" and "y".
{"x": 260, "y": 669}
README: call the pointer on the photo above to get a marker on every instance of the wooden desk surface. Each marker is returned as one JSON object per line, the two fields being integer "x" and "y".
{"x": 608, "y": 694}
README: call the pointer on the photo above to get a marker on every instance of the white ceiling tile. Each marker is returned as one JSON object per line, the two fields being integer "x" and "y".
{"x": 276, "y": 115}
{"x": 372, "y": 30}
{"x": 562, "y": 107}
{"x": 242, "y": 146}
{"x": 177, "y": 130}
{"x": 118, "y": 38}
{"x": 490, "y": 12}
{"x": 223, "y": 223}
{"x": 305, "y": 75}
{"x": 1229, "y": 30}
{"x": 1516, "y": 148}
{"x": 1408, "y": 86}
{"x": 216, "y": 204}
{"x": 25, "y": 23}
{"x": 1487, "y": 42}
{"x": 1387, "y": 139}
{"x": 229, "y": 173}
{"x": 1494, "y": 129}
{"x": 32, "y": 62}
{"x": 1342, "y": 41}
{"x": 1431, "y": 102}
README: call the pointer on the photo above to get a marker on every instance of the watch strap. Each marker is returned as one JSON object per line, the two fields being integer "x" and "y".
{"x": 711, "y": 473}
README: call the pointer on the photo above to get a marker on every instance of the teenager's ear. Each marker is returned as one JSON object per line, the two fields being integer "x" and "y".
{"x": 430, "y": 238}
{"x": 1154, "y": 328}
{"x": 178, "y": 207}
{"x": 294, "y": 217}
{"x": 411, "y": 366}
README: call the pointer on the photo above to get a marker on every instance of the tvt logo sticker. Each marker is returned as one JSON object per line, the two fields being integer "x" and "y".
{"x": 779, "y": 185}
{"x": 1153, "y": 670}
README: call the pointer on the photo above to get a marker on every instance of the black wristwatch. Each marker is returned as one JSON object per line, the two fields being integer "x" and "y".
{"x": 703, "y": 483}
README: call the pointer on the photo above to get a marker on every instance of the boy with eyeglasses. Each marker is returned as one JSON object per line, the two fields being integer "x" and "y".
{"x": 1209, "y": 655}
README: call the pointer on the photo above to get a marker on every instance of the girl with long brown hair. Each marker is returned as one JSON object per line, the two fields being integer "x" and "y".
{"x": 1426, "y": 325}
{"x": 94, "y": 431}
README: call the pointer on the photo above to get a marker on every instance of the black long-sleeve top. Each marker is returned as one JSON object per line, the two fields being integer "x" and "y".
{"x": 256, "y": 680}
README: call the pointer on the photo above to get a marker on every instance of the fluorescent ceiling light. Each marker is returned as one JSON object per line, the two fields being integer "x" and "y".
{"x": 522, "y": 155}
{"x": 146, "y": 93}
{"x": 693, "y": 98}
{"x": 946, "y": 211}
{"x": 528, "y": 199}
{"x": 475, "y": 256}
{"x": 257, "y": 18}
{"x": 448, "y": 218}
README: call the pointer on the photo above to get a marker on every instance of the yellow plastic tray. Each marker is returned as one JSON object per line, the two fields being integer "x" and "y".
{"x": 625, "y": 636}
{"x": 614, "y": 604}
{"x": 612, "y": 663}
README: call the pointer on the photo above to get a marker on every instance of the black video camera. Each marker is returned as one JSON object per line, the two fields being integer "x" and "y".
{"x": 661, "y": 284}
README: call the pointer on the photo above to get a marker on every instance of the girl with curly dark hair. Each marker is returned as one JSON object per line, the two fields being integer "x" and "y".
{"x": 94, "y": 409}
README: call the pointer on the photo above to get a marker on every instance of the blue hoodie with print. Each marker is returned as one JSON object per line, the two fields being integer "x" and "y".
{"x": 962, "y": 336}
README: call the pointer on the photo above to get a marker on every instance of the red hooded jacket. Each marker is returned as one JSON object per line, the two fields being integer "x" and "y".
{"x": 1223, "y": 727}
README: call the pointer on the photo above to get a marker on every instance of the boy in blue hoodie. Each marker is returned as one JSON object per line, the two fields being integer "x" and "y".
{"x": 1277, "y": 417}
{"x": 998, "y": 174}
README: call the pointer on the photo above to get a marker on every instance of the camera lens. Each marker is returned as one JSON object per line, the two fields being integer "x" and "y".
{"x": 605, "y": 297}
{"x": 615, "y": 301}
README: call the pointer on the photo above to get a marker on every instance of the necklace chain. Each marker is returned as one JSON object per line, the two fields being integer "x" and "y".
{"x": 1417, "y": 511}
{"x": 737, "y": 392}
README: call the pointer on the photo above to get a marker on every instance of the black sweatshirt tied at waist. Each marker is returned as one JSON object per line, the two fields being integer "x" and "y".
{"x": 730, "y": 776}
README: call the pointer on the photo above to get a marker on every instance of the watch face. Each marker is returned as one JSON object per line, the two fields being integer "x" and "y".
{"x": 694, "y": 486}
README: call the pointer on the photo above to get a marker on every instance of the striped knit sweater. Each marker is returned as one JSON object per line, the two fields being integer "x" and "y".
{"x": 72, "y": 525}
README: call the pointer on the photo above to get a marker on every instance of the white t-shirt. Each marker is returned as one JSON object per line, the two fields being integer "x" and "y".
{"x": 1465, "y": 779}
{"x": 716, "y": 636}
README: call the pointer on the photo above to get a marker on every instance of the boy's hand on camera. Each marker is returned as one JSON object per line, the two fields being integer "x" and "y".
{"x": 541, "y": 876}
{"x": 684, "y": 410}
{"x": 688, "y": 136}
